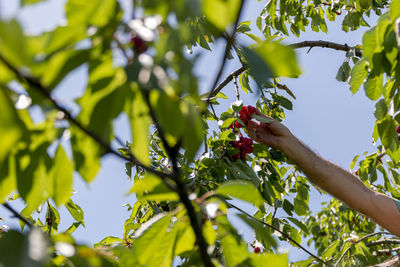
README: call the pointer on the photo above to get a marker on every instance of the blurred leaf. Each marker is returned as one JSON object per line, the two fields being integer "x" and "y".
{"x": 62, "y": 172}
{"x": 193, "y": 136}
{"x": 61, "y": 64}
{"x": 107, "y": 241}
{"x": 138, "y": 113}
{"x": 21, "y": 250}
{"x": 11, "y": 127}
{"x": 221, "y": 13}
{"x": 259, "y": 68}
{"x": 13, "y": 43}
{"x": 8, "y": 180}
{"x": 233, "y": 248}
{"x": 30, "y": 2}
{"x": 269, "y": 260}
{"x": 395, "y": 9}
{"x": 87, "y": 153}
{"x": 241, "y": 190}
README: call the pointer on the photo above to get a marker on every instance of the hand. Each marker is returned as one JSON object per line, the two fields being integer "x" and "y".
{"x": 272, "y": 134}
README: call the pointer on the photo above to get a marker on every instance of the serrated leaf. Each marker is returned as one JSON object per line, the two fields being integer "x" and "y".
{"x": 358, "y": 75}
{"x": 75, "y": 211}
{"x": 373, "y": 87}
{"x": 386, "y": 130}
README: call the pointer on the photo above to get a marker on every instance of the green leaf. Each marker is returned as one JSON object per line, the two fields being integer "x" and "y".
{"x": 259, "y": 69}
{"x": 280, "y": 58}
{"x": 242, "y": 190}
{"x": 233, "y": 248}
{"x": 394, "y": 9}
{"x": 261, "y": 119}
{"x": 138, "y": 113}
{"x": 13, "y": 43}
{"x": 221, "y": 13}
{"x": 8, "y": 180}
{"x": 30, "y": 2}
{"x": 154, "y": 243}
{"x": 380, "y": 109}
{"x": 64, "y": 37}
{"x": 370, "y": 44}
{"x": 386, "y": 130}
{"x": 343, "y": 73}
{"x": 87, "y": 153}
{"x": 11, "y": 127}
{"x": 269, "y": 260}
{"x": 192, "y": 138}
{"x": 75, "y": 211}
{"x": 300, "y": 207}
{"x": 151, "y": 187}
{"x": 95, "y": 12}
{"x": 373, "y": 87}
{"x": 107, "y": 241}
{"x": 358, "y": 75}
{"x": 61, "y": 64}
{"x": 62, "y": 172}
{"x": 52, "y": 216}
{"x": 262, "y": 233}
{"x": 21, "y": 250}
{"x": 298, "y": 224}
{"x": 283, "y": 101}
{"x": 242, "y": 171}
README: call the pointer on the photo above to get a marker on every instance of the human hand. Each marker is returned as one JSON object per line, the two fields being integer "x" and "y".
{"x": 272, "y": 134}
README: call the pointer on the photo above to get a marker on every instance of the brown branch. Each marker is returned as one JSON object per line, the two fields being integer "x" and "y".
{"x": 326, "y": 44}
{"x": 236, "y": 88}
{"x": 279, "y": 231}
{"x": 17, "y": 214}
{"x": 229, "y": 41}
{"x": 358, "y": 241}
{"x": 383, "y": 242}
{"x": 311, "y": 44}
{"x": 389, "y": 250}
{"x": 45, "y": 92}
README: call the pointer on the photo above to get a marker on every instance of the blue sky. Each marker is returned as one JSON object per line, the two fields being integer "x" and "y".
{"x": 326, "y": 117}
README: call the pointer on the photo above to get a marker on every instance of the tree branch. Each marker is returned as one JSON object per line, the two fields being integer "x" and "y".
{"x": 279, "y": 231}
{"x": 358, "y": 241}
{"x": 311, "y": 44}
{"x": 383, "y": 242}
{"x": 326, "y": 44}
{"x": 46, "y": 94}
{"x": 17, "y": 214}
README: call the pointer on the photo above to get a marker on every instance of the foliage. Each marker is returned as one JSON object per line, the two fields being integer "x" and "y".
{"x": 183, "y": 191}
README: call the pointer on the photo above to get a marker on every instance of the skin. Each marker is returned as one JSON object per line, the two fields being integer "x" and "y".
{"x": 330, "y": 177}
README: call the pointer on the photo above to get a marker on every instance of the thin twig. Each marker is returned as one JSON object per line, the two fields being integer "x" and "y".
{"x": 279, "y": 231}
{"x": 383, "y": 242}
{"x": 229, "y": 41}
{"x": 236, "y": 88}
{"x": 358, "y": 241}
{"x": 17, "y": 214}
{"x": 389, "y": 250}
{"x": 326, "y": 44}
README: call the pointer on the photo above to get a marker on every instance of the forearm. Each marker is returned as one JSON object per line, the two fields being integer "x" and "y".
{"x": 330, "y": 177}
{"x": 343, "y": 185}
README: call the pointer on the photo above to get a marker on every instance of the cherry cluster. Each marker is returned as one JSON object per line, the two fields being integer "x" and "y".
{"x": 245, "y": 113}
{"x": 244, "y": 145}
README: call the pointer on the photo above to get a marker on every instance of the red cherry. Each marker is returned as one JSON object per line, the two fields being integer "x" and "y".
{"x": 398, "y": 129}
{"x": 251, "y": 109}
{"x": 243, "y": 110}
{"x": 388, "y": 253}
{"x": 139, "y": 45}
{"x": 398, "y": 136}
{"x": 238, "y": 125}
{"x": 257, "y": 250}
{"x": 356, "y": 172}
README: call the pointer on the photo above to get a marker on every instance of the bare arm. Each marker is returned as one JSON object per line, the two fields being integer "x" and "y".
{"x": 330, "y": 177}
